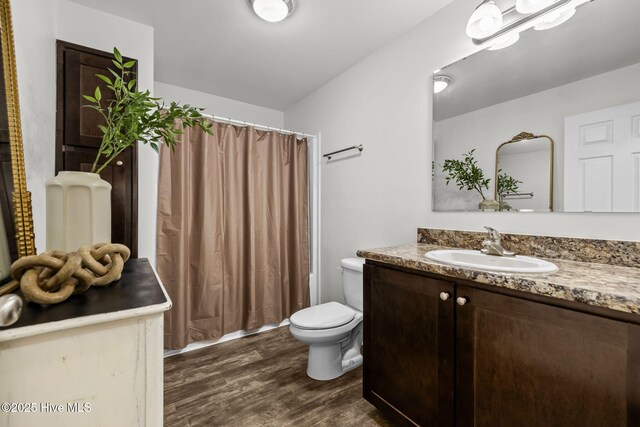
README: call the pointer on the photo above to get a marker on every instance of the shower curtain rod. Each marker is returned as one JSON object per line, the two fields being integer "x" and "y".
{"x": 242, "y": 122}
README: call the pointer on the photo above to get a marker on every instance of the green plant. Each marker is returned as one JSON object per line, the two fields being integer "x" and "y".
{"x": 466, "y": 174}
{"x": 506, "y": 184}
{"x": 134, "y": 115}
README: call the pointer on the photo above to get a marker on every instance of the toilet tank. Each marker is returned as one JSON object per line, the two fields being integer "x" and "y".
{"x": 352, "y": 281}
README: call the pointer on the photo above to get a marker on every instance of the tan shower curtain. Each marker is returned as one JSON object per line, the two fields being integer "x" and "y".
{"x": 233, "y": 241}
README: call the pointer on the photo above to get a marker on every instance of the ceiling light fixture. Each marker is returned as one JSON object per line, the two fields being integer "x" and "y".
{"x": 497, "y": 30}
{"x": 440, "y": 83}
{"x": 272, "y": 10}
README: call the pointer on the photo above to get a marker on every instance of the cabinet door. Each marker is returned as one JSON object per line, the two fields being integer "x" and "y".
{"x": 408, "y": 346}
{"x": 523, "y": 363}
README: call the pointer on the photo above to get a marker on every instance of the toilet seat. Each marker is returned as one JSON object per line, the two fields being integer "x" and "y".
{"x": 324, "y": 316}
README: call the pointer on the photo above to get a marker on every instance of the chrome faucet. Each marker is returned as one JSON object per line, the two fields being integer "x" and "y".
{"x": 491, "y": 246}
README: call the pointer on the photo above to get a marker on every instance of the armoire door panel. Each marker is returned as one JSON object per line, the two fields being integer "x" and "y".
{"x": 81, "y": 122}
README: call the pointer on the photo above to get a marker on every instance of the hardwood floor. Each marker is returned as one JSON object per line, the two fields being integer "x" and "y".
{"x": 260, "y": 380}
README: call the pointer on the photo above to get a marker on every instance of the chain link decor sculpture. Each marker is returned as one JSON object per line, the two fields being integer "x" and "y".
{"x": 53, "y": 276}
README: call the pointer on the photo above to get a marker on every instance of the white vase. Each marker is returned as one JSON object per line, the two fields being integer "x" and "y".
{"x": 78, "y": 210}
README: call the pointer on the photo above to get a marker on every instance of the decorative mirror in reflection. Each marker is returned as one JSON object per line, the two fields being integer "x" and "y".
{"x": 579, "y": 84}
{"x": 524, "y": 174}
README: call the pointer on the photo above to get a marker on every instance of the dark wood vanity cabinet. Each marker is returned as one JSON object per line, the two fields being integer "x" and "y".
{"x": 523, "y": 363}
{"x": 408, "y": 346}
{"x": 496, "y": 360}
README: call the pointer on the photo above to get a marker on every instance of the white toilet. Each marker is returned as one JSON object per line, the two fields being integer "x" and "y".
{"x": 333, "y": 331}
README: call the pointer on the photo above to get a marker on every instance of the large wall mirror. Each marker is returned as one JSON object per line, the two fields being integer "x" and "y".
{"x": 578, "y": 84}
{"x": 16, "y": 226}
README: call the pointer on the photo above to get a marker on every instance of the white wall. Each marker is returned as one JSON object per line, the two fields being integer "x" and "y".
{"x": 92, "y": 28}
{"x": 37, "y": 25}
{"x": 220, "y": 106}
{"x": 381, "y": 197}
{"x": 487, "y": 128}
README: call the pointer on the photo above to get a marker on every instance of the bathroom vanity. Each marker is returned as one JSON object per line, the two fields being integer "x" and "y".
{"x": 453, "y": 346}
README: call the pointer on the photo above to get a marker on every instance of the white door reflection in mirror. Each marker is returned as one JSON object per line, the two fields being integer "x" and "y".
{"x": 602, "y": 160}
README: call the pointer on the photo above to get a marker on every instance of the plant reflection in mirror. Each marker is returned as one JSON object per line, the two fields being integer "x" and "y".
{"x": 506, "y": 185}
{"x": 466, "y": 174}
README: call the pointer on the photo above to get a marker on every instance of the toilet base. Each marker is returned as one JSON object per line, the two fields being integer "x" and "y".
{"x": 326, "y": 362}
{"x": 332, "y": 352}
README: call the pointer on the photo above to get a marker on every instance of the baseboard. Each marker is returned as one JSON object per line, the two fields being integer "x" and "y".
{"x": 228, "y": 337}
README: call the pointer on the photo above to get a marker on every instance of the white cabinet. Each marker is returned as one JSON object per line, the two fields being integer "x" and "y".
{"x": 96, "y": 370}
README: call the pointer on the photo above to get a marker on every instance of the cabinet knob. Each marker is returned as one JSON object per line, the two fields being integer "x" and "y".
{"x": 444, "y": 296}
{"x": 462, "y": 300}
{"x": 119, "y": 163}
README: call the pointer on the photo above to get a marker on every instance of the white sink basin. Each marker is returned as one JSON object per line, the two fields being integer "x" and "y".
{"x": 478, "y": 261}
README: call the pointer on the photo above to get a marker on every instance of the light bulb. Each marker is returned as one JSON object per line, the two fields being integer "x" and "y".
{"x": 440, "y": 83}
{"x": 485, "y": 23}
{"x": 485, "y": 20}
{"x": 554, "y": 19}
{"x": 532, "y": 6}
{"x": 271, "y": 10}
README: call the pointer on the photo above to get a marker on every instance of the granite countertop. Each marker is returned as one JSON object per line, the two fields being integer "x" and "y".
{"x": 601, "y": 285}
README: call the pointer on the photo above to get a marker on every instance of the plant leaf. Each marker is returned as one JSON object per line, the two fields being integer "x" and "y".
{"x": 117, "y": 54}
{"x": 105, "y": 79}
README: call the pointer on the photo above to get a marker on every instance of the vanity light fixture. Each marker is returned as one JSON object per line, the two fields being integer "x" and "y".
{"x": 531, "y": 6}
{"x": 524, "y": 14}
{"x": 272, "y": 10}
{"x": 505, "y": 41}
{"x": 485, "y": 20}
{"x": 440, "y": 83}
{"x": 555, "y": 19}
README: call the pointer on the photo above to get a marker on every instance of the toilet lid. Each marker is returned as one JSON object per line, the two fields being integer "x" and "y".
{"x": 323, "y": 316}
